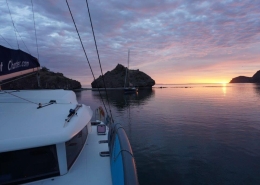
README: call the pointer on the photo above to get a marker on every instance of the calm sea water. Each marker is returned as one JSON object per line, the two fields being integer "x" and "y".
{"x": 201, "y": 134}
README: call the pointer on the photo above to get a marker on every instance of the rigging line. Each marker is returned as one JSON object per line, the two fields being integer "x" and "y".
{"x": 13, "y": 102}
{"x": 18, "y": 78}
{"x": 6, "y": 41}
{"x": 23, "y": 41}
{"x": 99, "y": 61}
{"x": 35, "y": 31}
{"x": 37, "y": 103}
{"x": 13, "y": 24}
{"x": 85, "y": 53}
{"x": 20, "y": 97}
{"x": 15, "y": 30}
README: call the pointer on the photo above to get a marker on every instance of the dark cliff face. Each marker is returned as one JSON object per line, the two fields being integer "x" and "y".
{"x": 244, "y": 79}
{"x": 48, "y": 80}
{"x": 256, "y": 77}
{"x": 241, "y": 79}
{"x": 116, "y": 78}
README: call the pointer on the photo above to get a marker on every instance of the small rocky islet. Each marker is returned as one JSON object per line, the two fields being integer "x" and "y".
{"x": 116, "y": 78}
{"x": 244, "y": 79}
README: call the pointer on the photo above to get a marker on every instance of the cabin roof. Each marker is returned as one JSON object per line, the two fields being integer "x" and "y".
{"x": 24, "y": 126}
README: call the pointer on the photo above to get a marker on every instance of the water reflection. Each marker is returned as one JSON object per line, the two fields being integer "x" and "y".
{"x": 257, "y": 88}
{"x": 224, "y": 89}
{"x": 78, "y": 94}
{"x": 190, "y": 135}
{"x": 120, "y": 100}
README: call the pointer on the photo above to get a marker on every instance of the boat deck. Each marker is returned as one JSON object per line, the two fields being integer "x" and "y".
{"x": 90, "y": 167}
{"x": 23, "y": 125}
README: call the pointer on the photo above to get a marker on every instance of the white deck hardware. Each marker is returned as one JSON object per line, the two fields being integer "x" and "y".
{"x": 72, "y": 113}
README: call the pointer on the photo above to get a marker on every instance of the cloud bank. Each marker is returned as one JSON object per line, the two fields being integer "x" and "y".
{"x": 177, "y": 41}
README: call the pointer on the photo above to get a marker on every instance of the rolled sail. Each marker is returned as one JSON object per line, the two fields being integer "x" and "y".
{"x": 14, "y": 63}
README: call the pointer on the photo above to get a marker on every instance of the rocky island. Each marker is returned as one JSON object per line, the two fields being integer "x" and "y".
{"x": 116, "y": 78}
{"x": 48, "y": 80}
{"x": 244, "y": 79}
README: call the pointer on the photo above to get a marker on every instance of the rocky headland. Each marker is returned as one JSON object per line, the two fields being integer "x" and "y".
{"x": 48, "y": 80}
{"x": 244, "y": 79}
{"x": 116, "y": 78}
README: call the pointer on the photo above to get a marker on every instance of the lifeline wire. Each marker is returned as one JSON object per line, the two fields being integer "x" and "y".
{"x": 21, "y": 98}
{"x": 13, "y": 24}
{"x": 85, "y": 52}
{"x": 35, "y": 31}
{"x": 99, "y": 61}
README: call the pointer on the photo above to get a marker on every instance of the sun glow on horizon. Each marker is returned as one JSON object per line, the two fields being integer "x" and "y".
{"x": 193, "y": 81}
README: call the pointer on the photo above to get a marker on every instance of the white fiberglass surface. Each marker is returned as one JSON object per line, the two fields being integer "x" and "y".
{"x": 38, "y": 96}
{"x": 24, "y": 126}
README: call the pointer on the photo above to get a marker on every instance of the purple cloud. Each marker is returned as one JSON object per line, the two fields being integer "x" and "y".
{"x": 165, "y": 37}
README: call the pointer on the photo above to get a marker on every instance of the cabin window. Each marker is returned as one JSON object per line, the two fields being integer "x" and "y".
{"x": 75, "y": 145}
{"x": 28, "y": 165}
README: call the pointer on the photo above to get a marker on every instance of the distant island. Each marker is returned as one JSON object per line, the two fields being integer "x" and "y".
{"x": 244, "y": 79}
{"x": 48, "y": 80}
{"x": 116, "y": 78}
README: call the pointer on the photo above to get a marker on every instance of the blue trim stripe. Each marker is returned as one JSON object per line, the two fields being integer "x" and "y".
{"x": 117, "y": 168}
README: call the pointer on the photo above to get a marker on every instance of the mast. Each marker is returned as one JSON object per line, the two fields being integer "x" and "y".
{"x": 125, "y": 76}
{"x": 128, "y": 67}
{"x": 128, "y": 58}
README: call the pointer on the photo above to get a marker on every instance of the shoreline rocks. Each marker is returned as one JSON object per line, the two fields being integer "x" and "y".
{"x": 244, "y": 79}
{"x": 48, "y": 80}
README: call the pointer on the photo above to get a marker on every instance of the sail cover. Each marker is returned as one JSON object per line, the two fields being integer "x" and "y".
{"x": 14, "y": 63}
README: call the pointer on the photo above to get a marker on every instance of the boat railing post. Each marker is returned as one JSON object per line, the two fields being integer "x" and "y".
{"x": 96, "y": 114}
{"x": 38, "y": 79}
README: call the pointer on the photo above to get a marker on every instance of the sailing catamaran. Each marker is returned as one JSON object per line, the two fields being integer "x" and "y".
{"x": 47, "y": 137}
{"x": 128, "y": 87}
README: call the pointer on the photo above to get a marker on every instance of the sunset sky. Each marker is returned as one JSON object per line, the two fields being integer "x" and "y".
{"x": 180, "y": 41}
